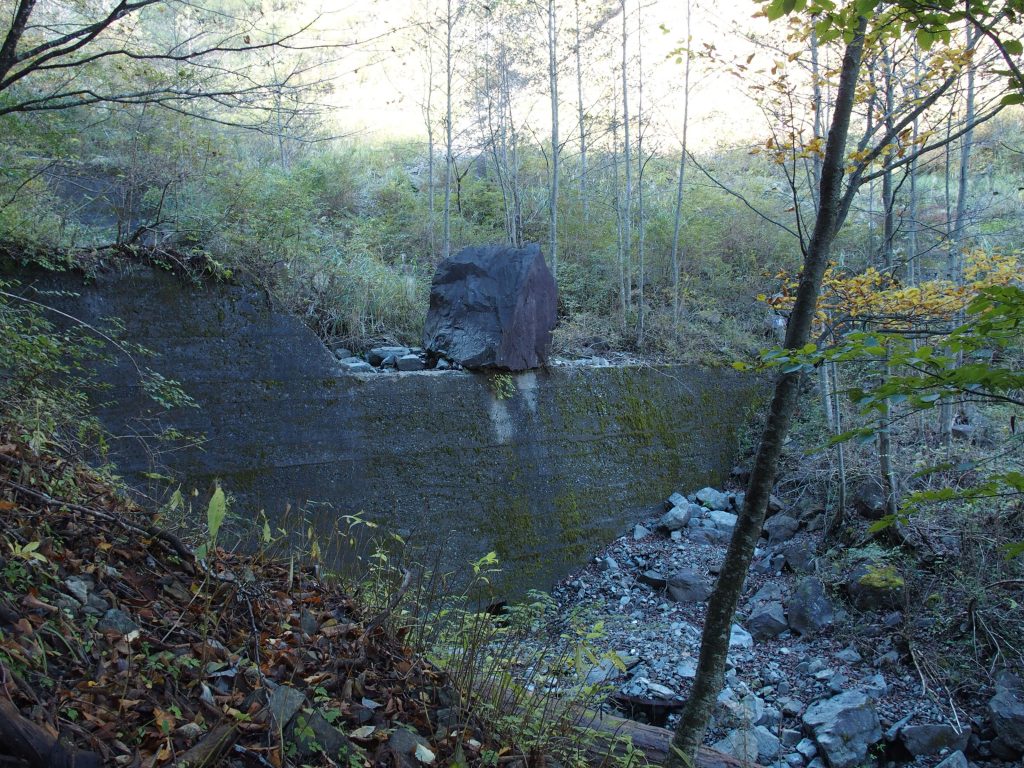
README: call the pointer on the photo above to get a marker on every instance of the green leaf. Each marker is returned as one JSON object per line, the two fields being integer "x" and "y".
{"x": 1012, "y": 98}
{"x": 1013, "y": 47}
{"x": 215, "y": 513}
{"x": 925, "y": 39}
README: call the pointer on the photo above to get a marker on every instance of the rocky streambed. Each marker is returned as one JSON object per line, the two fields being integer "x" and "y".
{"x": 817, "y": 677}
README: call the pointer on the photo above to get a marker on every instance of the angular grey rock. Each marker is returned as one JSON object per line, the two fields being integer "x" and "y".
{"x": 313, "y": 735}
{"x": 722, "y": 521}
{"x": 687, "y": 668}
{"x": 874, "y": 589}
{"x": 609, "y": 564}
{"x": 740, "y": 638}
{"x": 713, "y": 500}
{"x": 640, "y": 532}
{"x": 875, "y": 686}
{"x": 767, "y": 621}
{"x": 359, "y": 366}
{"x": 1006, "y": 709}
{"x": 653, "y": 579}
{"x": 791, "y": 737}
{"x": 284, "y": 702}
{"x": 492, "y": 307}
{"x": 732, "y": 711}
{"x": 807, "y": 748}
{"x": 933, "y": 738}
{"x": 677, "y": 500}
{"x": 774, "y": 504}
{"x": 378, "y": 355}
{"x": 781, "y": 528}
{"x": 809, "y": 608}
{"x": 768, "y": 744}
{"x": 79, "y": 588}
{"x": 410, "y": 362}
{"x": 401, "y": 746}
{"x": 118, "y": 621}
{"x": 849, "y": 655}
{"x": 868, "y": 498}
{"x": 710, "y": 537}
{"x": 956, "y": 760}
{"x": 799, "y": 558}
{"x": 794, "y": 760}
{"x": 689, "y": 587}
{"x": 741, "y": 744}
{"x": 677, "y": 517}
{"x": 844, "y": 727}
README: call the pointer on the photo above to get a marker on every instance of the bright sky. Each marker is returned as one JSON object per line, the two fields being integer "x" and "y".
{"x": 383, "y": 88}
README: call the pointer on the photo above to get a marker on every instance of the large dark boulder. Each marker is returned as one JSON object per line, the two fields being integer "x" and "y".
{"x": 492, "y": 307}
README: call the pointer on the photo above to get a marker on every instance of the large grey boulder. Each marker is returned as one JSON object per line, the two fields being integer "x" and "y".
{"x": 809, "y": 608}
{"x": 844, "y": 728}
{"x": 931, "y": 739}
{"x": 781, "y": 528}
{"x": 1006, "y": 709}
{"x": 689, "y": 587}
{"x": 714, "y": 499}
{"x": 767, "y": 621}
{"x": 677, "y": 518}
{"x": 492, "y": 307}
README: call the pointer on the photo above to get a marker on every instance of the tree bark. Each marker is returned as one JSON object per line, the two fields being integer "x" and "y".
{"x": 677, "y": 223}
{"x": 724, "y": 598}
{"x": 584, "y": 202}
{"x": 555, "y": 148}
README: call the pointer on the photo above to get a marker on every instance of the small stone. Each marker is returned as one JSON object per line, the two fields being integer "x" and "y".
{"x": 410, "y": 362}
{"x": 79, "y": 588}
{"x": 609, "y": 564}
{"x": 676, "y": 535}
{"x": 380, "y": 355}
{"x": 849, "y": 655}
{"x": 640, "y": 532}
{"x": 791, "y": 737}
{"x": 806, "y": 748}
{"x": 677, "y": 500}
{"x": 722, "y": 521}
{"x": 794, "y": 760}
{"x": 117, "y": 621}
{"x": 358, "y": 366}
{"x": 844, "y": 727}
{"x": 676, "y": 518}
{"x": 740, "y": 638}
{"x": 284, "y": 702}
{"x": 956, "y": 760}
{"x": 1007, "y": 711}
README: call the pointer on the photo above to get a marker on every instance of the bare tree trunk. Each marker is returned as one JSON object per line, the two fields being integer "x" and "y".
{"x": 446, "y": 238}
{"x": 955, "y": 265}
{"x": 722, "y": 605}
{"x": 584, "y": 202}
{"x": 627, "y": 196}
{"x": 677, "y": 222}
{"x": 641, "y": 223}
{"x": 555, "y": 148}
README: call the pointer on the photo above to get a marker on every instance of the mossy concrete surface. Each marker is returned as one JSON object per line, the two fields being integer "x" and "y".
{"x": 544, "y": 472}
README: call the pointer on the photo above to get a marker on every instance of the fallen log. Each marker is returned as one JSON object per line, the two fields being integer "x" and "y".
{"x": 209, "y": 749}
{"x": 21, "y": 738}
{"x": 611, "y": 733}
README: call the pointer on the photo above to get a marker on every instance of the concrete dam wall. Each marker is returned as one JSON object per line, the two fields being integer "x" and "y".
{"x": 543, "y": 473}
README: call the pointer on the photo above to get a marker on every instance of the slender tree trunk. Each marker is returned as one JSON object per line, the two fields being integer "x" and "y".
{"x": 677, "y": 221}
{"x": 627, "y": 195}
{"x": 641, "y": 317}
{"x": 724, "y": 598}
{"x": 446, "y": 238}
{"x": 555, "y": 143}
{"x": 838, "y": 519}
{"x": 619, "y": 212}
{"x": 581, "y": 116}
{"x": 957, "y": 234}
{"x": 817, "y": 107}
{"x": 428, "y": 118}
